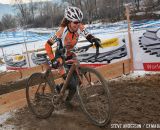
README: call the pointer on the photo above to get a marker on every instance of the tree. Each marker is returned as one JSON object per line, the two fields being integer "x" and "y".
{"x": 1, "y": 26}
{"x": 8, "y": 21}
{"x": 22, "y": 11}
{"x": 149, "y": 6}
{"x": 137, "y": 3}
{"x": 32, "y": 9}
{"x": 49, "y": 14}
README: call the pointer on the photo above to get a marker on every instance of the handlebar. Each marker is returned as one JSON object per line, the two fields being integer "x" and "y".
{"x": 85, "y": 48}
{"x": 77, "y": 50}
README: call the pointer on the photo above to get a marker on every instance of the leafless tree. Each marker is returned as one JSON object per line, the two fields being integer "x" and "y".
{"x": 32, "y": 9}
{"x": 49, "y": 14}
{"x": 22, "y": 11}
{"x": 8, "y": 21}
{"x": 1, "y": 26}
{"x": 137, "y": 3}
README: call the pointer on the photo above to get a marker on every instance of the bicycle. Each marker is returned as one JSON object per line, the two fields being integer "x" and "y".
{"x": 92, "y": 91}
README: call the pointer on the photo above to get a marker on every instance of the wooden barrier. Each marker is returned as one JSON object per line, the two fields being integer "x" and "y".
{"x": 112, "y": 70}
{"x": 19, "y": 74}
{"x": 10, "y": 76}
{"x": 13, "y": 100}
{"x": 28, "y": 72}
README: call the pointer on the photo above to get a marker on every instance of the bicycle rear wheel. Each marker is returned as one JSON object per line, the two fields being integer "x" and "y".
{"x": 39, "y": 93}
{"x": 94, "y": 96}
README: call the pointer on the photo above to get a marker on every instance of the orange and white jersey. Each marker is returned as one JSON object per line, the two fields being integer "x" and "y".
{"x": 69, "y": 39}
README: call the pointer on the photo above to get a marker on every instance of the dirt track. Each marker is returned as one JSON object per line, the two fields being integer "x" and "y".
{"x": 133, "y": 101}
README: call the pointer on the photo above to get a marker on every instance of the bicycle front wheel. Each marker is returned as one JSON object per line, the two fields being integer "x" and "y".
{"x": 94, "y": 96}
{"x": 39, "y": 93}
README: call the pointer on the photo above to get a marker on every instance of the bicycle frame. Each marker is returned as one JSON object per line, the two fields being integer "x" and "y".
{"x": 74, "y": 67}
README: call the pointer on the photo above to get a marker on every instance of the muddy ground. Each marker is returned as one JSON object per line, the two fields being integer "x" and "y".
{"x": 134, "y": 100}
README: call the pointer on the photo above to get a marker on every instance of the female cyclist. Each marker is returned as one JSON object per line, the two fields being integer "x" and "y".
{"x": 67, "y": 35}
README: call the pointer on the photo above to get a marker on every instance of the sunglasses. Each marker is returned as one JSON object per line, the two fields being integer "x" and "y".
{"x": 76, "y": 22}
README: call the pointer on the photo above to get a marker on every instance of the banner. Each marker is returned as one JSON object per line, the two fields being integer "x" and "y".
{"x": 113, "y": 50}
{"x": 146, "y": 49}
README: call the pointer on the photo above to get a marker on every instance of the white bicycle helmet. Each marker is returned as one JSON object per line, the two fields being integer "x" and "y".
{"x": 73, "y": 14}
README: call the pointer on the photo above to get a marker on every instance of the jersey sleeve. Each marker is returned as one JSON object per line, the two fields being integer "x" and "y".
{"x": 85, "y": 33}
{"x": 57, "y": 35}
{"x": 51, "y": 41}
{"x": 49, "y": 51}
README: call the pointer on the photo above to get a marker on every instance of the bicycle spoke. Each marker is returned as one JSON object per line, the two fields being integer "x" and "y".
{"x": 39, "y": 95}
{"x": 94, "y": 97}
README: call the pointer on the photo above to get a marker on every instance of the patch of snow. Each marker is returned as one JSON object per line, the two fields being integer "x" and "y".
{"x": 4, "y": 117}
{"x": 2, "y": 68}
{"x": 134, "y": 75}
{"x": 42, "y": 30}
{"x": 140, "y": 13}
{"x": 156, "y": 12}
